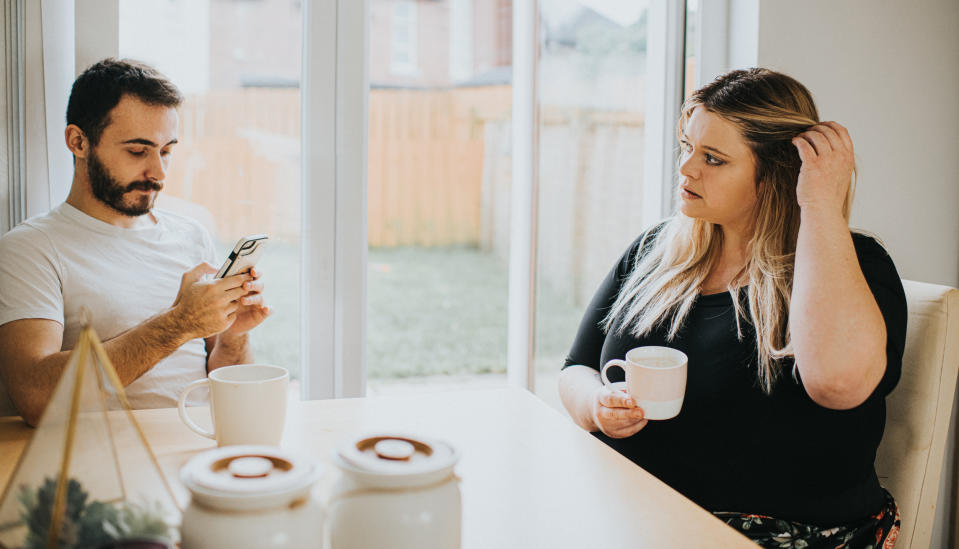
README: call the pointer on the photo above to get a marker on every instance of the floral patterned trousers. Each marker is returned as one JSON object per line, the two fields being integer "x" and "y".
{"x": 876, "y": 532}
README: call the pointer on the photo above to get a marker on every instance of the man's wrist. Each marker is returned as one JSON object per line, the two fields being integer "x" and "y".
{"x": 172, "y": 324}
{"x": 233, "y": 342}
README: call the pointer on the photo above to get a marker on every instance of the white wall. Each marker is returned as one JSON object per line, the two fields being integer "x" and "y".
{"x": 889, "y": 71}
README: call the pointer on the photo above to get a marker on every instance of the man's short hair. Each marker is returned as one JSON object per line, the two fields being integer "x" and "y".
{"x": 99, "y": 88}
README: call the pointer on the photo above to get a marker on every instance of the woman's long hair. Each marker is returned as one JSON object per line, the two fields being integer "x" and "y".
{"x": 769, "y": 109}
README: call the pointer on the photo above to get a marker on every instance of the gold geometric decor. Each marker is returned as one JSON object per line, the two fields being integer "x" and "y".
{"x": 72, "y": 485}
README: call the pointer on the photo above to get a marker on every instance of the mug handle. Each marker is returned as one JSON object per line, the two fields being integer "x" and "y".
{"x": 615, "y": 362}
{"x": 181, "y": 407}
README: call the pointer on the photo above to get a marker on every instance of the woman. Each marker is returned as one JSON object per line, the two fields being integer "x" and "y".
{"x": 794, "y": 327}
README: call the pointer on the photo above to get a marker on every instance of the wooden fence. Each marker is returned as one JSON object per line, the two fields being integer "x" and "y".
{"x": 439, "y": 174}
{"x": 239, "y": 160}
{"x": 426, "y": 154}
{"x": 590, "y": 195}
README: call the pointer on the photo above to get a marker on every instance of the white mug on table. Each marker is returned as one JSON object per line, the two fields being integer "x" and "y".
{"x": 655, "y": 378}
{"x": 247, "y": 404}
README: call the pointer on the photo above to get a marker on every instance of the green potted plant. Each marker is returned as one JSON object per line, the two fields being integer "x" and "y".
{"x": 93, "y": 524}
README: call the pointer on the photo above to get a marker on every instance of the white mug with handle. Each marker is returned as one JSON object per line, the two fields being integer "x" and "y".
{"x": 247, "y": 404}
{"x": 655, "y": 378}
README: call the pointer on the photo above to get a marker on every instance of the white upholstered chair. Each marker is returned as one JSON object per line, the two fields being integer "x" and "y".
{"x": 910, "y": 458}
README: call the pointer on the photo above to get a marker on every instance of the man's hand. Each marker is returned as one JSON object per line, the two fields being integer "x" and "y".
{"x": 252, "y": 310}
{"x": 206, "y": 307}
{"x": 232, "y": 346}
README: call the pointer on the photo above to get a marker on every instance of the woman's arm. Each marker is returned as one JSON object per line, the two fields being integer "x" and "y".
{"x": 837, "y": 329}
{"x": 589, "y": 403}
{"x": 577, "y": 388}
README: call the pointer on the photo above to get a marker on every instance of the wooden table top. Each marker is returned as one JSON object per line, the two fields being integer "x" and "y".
{"x": 530, "y": 477}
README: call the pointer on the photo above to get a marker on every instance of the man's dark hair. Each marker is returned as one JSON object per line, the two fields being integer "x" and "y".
{"x": 101, "y": 86}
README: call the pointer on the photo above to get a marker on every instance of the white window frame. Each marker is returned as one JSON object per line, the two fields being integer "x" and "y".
{"x": 334, "y": 247}
{"x": 13, "y": 130}
{"x": 38, "y": 65}
{"x": 712, "y": 51}
{"x": 521, "y": 300}
{"x": 664, "y": 56}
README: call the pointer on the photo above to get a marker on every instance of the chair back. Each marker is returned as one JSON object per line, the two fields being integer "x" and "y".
{"x": 910, "y": 458}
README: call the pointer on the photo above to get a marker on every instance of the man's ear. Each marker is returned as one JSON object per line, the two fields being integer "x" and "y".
{"x": 77, "y": 141}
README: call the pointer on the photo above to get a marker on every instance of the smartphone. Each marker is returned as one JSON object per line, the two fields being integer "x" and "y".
{"x": 244, "y": 255}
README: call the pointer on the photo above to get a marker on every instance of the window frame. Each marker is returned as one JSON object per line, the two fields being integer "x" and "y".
{"x": 334, "y": 245}
{"x": 712, "y": 51}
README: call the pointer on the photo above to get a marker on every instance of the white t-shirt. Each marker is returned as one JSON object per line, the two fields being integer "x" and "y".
{"x": 54, "y": 264}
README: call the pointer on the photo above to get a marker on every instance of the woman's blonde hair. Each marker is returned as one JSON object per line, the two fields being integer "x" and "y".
{"x": 769, "y": 109}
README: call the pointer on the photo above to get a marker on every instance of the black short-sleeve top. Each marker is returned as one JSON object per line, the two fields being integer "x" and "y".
{"x": 735, "y": 448}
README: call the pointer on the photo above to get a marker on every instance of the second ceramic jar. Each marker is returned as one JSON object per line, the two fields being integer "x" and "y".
{"x": 396, "y": 491}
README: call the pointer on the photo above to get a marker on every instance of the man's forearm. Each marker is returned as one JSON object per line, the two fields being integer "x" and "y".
{"x": 137, "y": 350}
{"x": 230, "y": 350}
{"x": 132, "y": 353}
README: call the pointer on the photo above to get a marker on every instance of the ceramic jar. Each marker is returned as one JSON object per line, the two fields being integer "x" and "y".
{"x": 395, "y": 491}
{"x": 251, "y": 497}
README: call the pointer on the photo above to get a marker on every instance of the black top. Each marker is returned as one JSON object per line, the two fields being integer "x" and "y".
{"x": 734, "y": 448}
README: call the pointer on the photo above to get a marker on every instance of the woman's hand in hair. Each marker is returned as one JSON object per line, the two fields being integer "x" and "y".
{"x": 616, "y": 414}
{"x": 827, "y": 165}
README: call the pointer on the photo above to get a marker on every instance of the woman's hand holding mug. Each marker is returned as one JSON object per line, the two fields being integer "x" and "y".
{"x": 615, "y": 413}
{"x": 654, "y": 389}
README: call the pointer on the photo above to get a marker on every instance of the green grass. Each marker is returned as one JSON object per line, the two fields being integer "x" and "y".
{"x": 435, "y": 311}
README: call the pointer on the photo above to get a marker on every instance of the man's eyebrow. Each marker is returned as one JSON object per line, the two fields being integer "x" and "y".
{"x": 147, "y": 142}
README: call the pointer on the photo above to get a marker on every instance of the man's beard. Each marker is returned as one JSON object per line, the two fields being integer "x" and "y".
{"x": 111, "y": 192}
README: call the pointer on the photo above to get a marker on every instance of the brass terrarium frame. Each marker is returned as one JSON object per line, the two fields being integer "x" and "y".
{"x": 80, "y": 403}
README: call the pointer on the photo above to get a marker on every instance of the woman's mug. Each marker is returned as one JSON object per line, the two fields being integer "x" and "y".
{"x": 655, "y": 378}
{"x": 247, "y": 404}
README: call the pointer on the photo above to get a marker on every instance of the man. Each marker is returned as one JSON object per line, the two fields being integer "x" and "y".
{"x": 108, "y": 250}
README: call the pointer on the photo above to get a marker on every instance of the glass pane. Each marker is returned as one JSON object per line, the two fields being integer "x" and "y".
{"x": 439, "y": 179}
{"x": 237, "y": 165}
{"x": 591, "y": 87}
{"x": 691, "y": 76}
